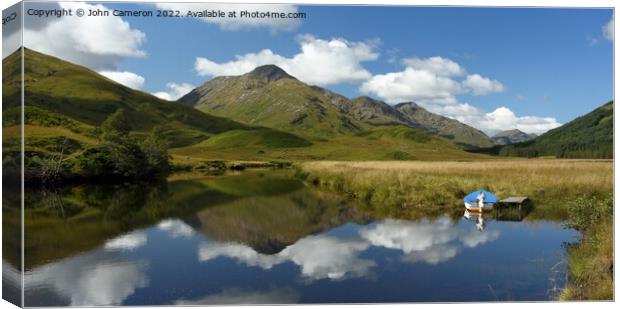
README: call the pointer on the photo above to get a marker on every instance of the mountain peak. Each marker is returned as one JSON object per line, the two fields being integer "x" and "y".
{"x": 511, "y": 137}
{"x": 269, "y": 73}
{"x": 508, "y": 132}
{"x": 406, "y": 104}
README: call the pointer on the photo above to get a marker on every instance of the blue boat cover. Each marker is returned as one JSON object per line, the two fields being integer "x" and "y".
{"x": 488, "y": 197}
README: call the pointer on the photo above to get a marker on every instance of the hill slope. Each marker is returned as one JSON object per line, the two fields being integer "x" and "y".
{"x": 59, "y": 93}
{"x": 511, "y": 137}
{"x": 84, "y": 96}
{"x": 461, "y": 134}
{"x": 270, "y": 97}
{"x": 588, "y": 136}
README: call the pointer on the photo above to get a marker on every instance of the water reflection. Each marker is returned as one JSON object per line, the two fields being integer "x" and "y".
{"x": 317, "y": 256}
{"x": 325, "y": 256}
{"x": 236, "y": 239}
{"x": 97, "y": 278}
{"x": 236, "y": 296}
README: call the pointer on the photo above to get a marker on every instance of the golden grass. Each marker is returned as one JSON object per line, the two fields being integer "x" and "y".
{"x": 416, "y": 184}
{"x": 591, "y": 265}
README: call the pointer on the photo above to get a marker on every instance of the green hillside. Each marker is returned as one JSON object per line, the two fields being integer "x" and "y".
{"x": 270, "y": 97}
{"x": 588, "y": 136}
{"x": 86, "y": 97}
{"x": 67, "y": 106}
{"x": 77, "y": 122}
{"x": 463, "y": 135}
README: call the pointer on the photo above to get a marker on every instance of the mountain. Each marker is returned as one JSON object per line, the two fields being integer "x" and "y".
{"x": 66, "y": 104}
{"x": 268, "y": 96}
{"x": 450, "y": 129}
{"x": 377, "y": 112}
{"x": 511, "y": 137}
{"x": 56, "y": 88}
{"x": 588, "y": 136}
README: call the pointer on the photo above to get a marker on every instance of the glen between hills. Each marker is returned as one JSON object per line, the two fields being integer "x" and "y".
{"x": 263, "y": 115}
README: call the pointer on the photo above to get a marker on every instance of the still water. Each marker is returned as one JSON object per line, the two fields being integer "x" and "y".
{"x": 264, "y": 237}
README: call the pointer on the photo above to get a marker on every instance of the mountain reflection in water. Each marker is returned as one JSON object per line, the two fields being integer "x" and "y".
{"x": 264, "y": 237}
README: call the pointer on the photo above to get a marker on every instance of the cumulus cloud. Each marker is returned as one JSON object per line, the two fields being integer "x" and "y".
{"x": 128, "y": 242}
{"x": 337, "y": 258}
{"x": 238, "y": 23}
{"x": 320, "y": 62}
{"x": 481, "y": 85}
{"x": 411, "y": 83}
{"x": 98, "y": 43}
{"x": 436, "y": 83}
{"x": 437, "y": 65}
{"x": 129, "y": 79}
{"x": 176, "y": 228}
{"x": 235, "y": 296}
{"x": 318, "y": 257}
{"x": 94, "y": 279}
{"x": 425, "y": 241}
{"x": 174, "y": 91}
{"x": 608, "y": 30}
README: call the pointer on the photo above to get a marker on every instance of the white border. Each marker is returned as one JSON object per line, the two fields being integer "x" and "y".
{"x": 492, "y": 3}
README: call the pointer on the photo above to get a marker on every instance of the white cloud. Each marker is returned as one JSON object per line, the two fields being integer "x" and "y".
{"x": 127, "y": 242}
{"x": 88, "y": 280}
{"x": 320, "y": 62}
{"x": 318, "y": 256}
{"x": 608, "y": 30}
{"x": 502, "y": 118}
{"x": 129, "y": 79}
{"x": 329, "y": 257}
{"x": 410, "y": 236}
{"x": 240, "y": 23}
{"x": 437, "y": 65}
{"x": 425, "y": 241}
{"x": 411, "y": 84}
{"x": 434, "y": 84}
{"x": 175, "y": 91}
{"x": 235, "y": 296}
{"x": 98, "y": 43}
{"x": 481, "y": 85}
{"x": 335, "y": 258}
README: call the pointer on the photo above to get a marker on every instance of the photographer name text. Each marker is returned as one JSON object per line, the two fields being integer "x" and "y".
{"x": 59, "y": 13}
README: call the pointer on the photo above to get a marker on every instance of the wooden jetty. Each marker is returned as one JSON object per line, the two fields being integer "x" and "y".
{"x": 514, "y": 201}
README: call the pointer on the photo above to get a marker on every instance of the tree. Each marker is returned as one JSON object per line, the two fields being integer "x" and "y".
{"x": 116, "y": 126}
{"x": 155, "y": 149}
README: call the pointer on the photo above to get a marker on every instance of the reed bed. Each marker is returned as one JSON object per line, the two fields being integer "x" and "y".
{"x": 549, "y": 183}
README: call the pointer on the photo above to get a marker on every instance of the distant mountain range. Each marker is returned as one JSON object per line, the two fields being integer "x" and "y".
{"x": 265, "y": 114}
{"x": 588, "y": 136}
{"x": 268, "y": 96}
{"x": 511, "y": 137}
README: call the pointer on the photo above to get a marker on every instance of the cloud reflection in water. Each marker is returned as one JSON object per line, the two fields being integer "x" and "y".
{"x": 325, "y": 256}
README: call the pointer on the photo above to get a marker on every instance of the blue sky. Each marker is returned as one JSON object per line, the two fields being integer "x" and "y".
{"x": 545, "y": 66}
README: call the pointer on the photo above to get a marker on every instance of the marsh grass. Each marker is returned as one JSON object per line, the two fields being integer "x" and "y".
{"x": 578, "y": 192}
{"x": 409, "y": 186}
{"x": 590, "y": 261}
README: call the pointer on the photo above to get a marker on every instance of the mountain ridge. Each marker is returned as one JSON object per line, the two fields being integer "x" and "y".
{"x": 286, "y": 103}
{"x": 587, "y": 136}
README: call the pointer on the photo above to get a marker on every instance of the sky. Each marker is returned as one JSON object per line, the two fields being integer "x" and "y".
{"x": 493, "y": 68}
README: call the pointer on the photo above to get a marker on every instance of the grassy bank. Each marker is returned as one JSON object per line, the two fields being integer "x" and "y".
{"x": 590, "y": 261}
{"x": 410, "y": 186}
{"x": 576, "y": 191}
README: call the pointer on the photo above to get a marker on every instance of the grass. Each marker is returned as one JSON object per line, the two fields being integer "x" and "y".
{"x": 381, "y": 146}
{"x": 591, "y": 260}
{"x": 409, "y": 186}
{"x": 576, "y": 191}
